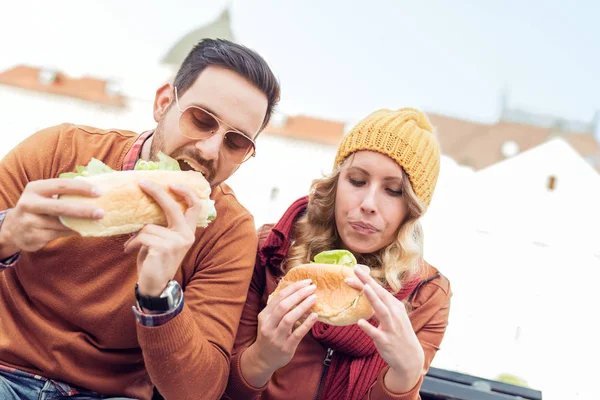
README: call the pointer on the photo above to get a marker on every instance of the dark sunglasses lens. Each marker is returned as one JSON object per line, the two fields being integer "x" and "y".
{"x": 197, "y": 123}
{"x": 238, "y": 145}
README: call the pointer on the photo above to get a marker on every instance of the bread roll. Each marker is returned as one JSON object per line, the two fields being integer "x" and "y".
{"x": 127, "y": 208}
{"x": 337, "y": 303}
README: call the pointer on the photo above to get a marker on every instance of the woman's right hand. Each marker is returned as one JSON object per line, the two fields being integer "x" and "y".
{"x": 277, "y": 340}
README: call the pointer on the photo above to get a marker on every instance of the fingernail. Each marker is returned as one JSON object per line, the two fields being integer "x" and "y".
{"x": 144, "y": 183}
{"x": 306, "y": 281}
{"x": 96, "y": 191}
{"x": 313, "y": 287}
{"x": 349, "y": 280}
{"x": 312, "y": 297}
{"x": 313, "y": 316}
{"x": 177, "y": 187}
{"x": 357, "y": 269}
{"x": 98, "y": 213}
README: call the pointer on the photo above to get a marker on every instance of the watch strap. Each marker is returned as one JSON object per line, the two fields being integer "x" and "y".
{"x": 167, "y": 301}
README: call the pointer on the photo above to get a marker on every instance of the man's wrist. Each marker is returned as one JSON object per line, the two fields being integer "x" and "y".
{"x": 7, "y": 248}
{"x": 165, "y": 302}
{"x": 151, "y": 289}
{"x": 157, "y": 319}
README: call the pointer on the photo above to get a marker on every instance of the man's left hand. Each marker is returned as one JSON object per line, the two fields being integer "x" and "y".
{"x": 162, "y": 249}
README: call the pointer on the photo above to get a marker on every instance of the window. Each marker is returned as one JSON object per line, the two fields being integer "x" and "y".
{"x": 274, "y": 193}
{"x": 551, "y": 183}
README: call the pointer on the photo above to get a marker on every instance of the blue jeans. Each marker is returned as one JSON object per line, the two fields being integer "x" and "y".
{"x": 19, "y": 385}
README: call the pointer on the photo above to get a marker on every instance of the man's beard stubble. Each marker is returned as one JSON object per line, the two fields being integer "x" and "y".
{"x": 189, "y": 152}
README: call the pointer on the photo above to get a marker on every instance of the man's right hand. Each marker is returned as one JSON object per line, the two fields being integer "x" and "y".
{"x": 33, "y": 222}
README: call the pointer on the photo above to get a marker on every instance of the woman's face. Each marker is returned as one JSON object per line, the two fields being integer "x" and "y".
{"x": 369, "y": 205}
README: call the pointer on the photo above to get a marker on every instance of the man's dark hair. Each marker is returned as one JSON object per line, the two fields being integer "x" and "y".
{"x": 235, "y": 57}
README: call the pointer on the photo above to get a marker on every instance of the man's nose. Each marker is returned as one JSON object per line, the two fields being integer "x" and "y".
{"x": 211, "y": 146}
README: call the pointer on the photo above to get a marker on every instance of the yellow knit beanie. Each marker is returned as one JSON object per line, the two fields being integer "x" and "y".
{"x": 404, "y": 135}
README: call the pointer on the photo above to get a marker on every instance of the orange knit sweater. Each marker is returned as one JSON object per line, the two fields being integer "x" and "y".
{"x": 65, "y": 311}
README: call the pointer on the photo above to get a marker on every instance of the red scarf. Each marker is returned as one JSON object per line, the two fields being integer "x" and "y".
{"x": 355, "y": 364}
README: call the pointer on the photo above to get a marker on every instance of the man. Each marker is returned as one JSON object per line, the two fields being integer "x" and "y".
{"x": 67, "y": 326}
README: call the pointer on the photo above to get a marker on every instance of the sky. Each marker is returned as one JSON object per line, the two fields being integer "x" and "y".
{"x": 342, "y": 59}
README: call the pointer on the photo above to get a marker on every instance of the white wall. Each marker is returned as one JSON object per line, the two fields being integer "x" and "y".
{"x": 515, "y": 198}
{"x": 524, "y": 264}
{"x": 503, "y": 285}
{"x": 23, "y": 112}
{"x": 288, "y": 164}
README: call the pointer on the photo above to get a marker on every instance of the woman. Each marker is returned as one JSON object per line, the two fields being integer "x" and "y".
{"x": 385, "y": 173}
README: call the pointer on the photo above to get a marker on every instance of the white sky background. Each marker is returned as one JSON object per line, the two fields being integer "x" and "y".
{"x": 342, "y": 59}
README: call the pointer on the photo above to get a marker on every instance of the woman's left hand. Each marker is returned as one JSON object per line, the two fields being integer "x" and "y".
{"x": 394, "y": 338}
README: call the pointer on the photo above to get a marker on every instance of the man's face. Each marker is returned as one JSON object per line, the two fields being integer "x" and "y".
{"x": 225, "y": 94}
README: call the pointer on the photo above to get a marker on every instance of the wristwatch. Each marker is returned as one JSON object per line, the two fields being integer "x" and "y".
{"x": 168, "y": 300}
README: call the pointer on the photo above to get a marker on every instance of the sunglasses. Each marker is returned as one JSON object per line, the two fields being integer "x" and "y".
{"x": 197, "y": 123}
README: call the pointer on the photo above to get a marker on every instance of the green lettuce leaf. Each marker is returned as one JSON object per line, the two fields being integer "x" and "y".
{"x": 339, "y": 257}
{"x": 97, "y": 167}
{"x": 94, "y": 167}
{"x": 212, "y": 211}
{"x": 164, "y": 163}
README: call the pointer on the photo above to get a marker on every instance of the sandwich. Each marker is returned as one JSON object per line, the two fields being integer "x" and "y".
{"x": 127, "y": 208}
{"x": 337, "y": 303}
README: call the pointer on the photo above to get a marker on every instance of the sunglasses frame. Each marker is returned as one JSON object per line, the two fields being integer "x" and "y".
{"x": 220, "y": 122}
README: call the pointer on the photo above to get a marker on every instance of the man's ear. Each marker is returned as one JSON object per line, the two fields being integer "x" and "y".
{"x": 165, "y": 95}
